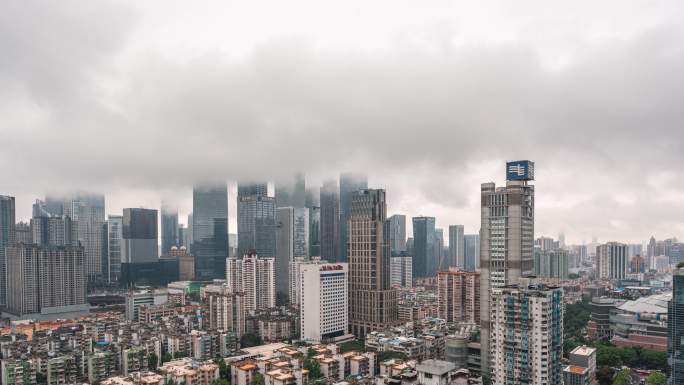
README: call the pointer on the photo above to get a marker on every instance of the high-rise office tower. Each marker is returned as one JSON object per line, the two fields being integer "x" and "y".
{"x": 53, "y": 231}
{"x": 349, "y": 183}
{"x": 7, "y": 227}
{"x": 456, "y": 247}
{"x": 54, "y": 205}
{"x": 527, "y": 335}
{"x": 506, "y": 239}
{"x": 330, "y": 221}
{"x": 114, "y": 244}
{"x": 87, "y": 213}
{"x": 301, "y": 232}
{"x": 169, "y": 228}
{"x": 402, "y": 274}
{"x": 254, "y": 277}
{"x": 372, "y": 301}
{"x": 188, "y": 237}
{"x": 612, "y": 261}
{"x": 313, "y": 205}
{"x": 46, "y": 280}
{"x": 397, "y": 234}
{"x": 291, "y": 193}
{"x": 253, "y": 188}
{"x": 439, "y": 262}
{"x": 23, "y": 233}
{"x": 256, "y": 221}
{"x": 182, "y": 235}
{"x": 545, "y": 243}
{"x": 314, "y": 231}
{"x": 651, "y": 252}
{"x": 551, "y": 263}
{"x": 423, "y": 245}
{"x": 292, "y": 241}
{"x": 458, "y": 294}
{"x": 324, "y": 302}
{"x": 209, "y": 230}
{"x": 284, "y": 248}
{"x": 471, "y": 244}
{"x": 675, "y": 329}
{"x": 139, "y": 235}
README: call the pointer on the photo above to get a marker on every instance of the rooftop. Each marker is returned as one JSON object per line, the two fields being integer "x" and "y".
{"x": 583, "y": 350}
{"x": 437, "y": 367}
{"x": 575, "y": 369}
{"x": 651, "y": 304}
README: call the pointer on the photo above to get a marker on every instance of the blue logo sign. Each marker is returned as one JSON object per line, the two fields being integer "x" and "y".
{"x": 520, "y": 170}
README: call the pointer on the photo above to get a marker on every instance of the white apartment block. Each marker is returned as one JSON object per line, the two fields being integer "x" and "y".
{"x": 324, "y": 306}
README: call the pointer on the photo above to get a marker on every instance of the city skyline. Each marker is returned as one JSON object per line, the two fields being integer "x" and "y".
{"x": 152, "y": 81}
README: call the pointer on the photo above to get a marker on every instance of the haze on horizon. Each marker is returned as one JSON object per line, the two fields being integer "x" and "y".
{"x": 139, "y": 100}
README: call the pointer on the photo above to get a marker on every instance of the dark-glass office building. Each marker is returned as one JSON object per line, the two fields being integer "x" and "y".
{"x": 210, "y": 230}
{"x": 423, "y": 245}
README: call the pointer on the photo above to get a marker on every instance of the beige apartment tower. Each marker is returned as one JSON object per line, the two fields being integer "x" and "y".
{"x": 458, "y": 294}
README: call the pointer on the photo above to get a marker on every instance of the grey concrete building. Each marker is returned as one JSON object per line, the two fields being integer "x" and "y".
{"x": 456, "y": 246}
{"x": 397, "y": 234}
{"x": 506, "y": 239}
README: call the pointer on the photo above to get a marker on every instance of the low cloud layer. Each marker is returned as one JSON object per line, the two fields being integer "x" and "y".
{"x": 94, "y": 97}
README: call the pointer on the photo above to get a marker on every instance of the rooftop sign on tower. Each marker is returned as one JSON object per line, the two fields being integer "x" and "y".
{"x": 520, "y": 170}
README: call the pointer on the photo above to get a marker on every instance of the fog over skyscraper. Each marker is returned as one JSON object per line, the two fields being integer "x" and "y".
{"x": 169, "y": 227}
{"x": 256, "y": 220}
{"x": 349, "y": 183}
{"x": 87, "y": 213}
{"x": 209, "y": 230}
{"x": 139, "y": 234}
{"x": 330, "y": 221}
{"x": 291, "y": 193}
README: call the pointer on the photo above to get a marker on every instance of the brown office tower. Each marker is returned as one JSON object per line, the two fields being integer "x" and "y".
{"x": 372, "y": 301}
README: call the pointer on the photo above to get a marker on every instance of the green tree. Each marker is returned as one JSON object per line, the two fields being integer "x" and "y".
{"x": 351, "y": 346}
{"x": 248, "y": 340}
{"x": 152, "y": 361}
{"x": 313, "y": 367}
{"x": 257, "y": 379}
{"x": 180, "y": 354}
{"x": 166, "y": 357}
{"x": 576, "y": 317}
{"x": 622, "y": 377}
{"x": 388, "y": 355}
{"x": 221, "y": 381}
{"x": 656, "y": 378}
{"x": 604, "y": 375}
{"x": 41, "y": 378}
{"x": 651, "y": 359}
{"x": 224, "y": 369}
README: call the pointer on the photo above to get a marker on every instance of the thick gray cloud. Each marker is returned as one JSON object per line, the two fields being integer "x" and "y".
{"x": 92, "y": 98}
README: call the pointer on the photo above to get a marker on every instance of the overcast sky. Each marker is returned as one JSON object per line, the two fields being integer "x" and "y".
{"x": 140, "y": 99}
